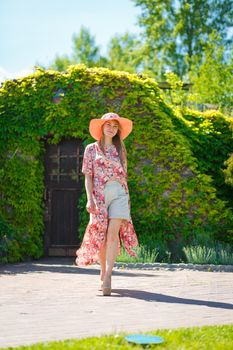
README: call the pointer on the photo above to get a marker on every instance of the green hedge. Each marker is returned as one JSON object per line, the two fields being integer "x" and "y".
{"x": 173, "y": 195}
{"x": 210, "y": 139}
{"x": 228, "y": 172}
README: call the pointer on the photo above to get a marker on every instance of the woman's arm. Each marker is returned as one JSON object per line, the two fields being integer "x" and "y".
{"x": 89, "y": 190}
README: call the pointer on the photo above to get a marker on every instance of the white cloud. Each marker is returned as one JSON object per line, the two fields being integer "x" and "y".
{"x": 5, "y": 75}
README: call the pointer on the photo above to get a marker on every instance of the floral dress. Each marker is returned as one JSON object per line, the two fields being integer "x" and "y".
{"x": 102, "y": 167}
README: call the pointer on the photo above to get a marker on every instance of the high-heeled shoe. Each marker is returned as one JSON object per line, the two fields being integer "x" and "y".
{"x": 107, "y": 289}
{"x": 101, "y": 286}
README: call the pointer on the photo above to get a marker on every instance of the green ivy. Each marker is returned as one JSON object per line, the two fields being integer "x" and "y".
{"x": 174, "y": 160}
{"x": 228, "y": 172}
{"x": 210, "y": 139}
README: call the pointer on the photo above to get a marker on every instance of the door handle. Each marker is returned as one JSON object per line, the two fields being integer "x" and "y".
{"x": 46, "y": 194}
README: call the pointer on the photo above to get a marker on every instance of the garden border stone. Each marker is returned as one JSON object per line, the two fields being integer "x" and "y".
{"x": 172, "y": 267}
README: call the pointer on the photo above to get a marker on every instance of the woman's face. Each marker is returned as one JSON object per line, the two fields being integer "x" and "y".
{"x": 110, "y": 128}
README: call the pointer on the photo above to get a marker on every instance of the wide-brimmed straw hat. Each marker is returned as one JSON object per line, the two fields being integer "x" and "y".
{"x": 126, "y": 125}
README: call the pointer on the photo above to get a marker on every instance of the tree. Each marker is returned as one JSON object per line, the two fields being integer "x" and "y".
{"x": 212, "y": 78}
{"x": 61, "y": 63}
{"x": 175, "y": 31}
{"x": 85, "y": 51}
{"x": 123, "y": 53}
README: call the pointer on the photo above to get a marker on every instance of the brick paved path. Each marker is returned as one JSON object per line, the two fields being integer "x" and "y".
{"x": 51, "y": 299}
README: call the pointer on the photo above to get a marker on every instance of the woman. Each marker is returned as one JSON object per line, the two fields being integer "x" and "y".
{"x": 105, "y": 170}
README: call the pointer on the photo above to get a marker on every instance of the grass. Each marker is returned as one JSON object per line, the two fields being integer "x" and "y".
{"x": 144, "y": 255}
{"x": 217, "y": 255}
{"x": 196, "y": 338}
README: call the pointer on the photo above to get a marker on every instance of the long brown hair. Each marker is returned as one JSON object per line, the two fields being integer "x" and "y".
{"x": 118, "y": 143}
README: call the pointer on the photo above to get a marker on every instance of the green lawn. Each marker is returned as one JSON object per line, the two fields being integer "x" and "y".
{"x": 197, "y": 338}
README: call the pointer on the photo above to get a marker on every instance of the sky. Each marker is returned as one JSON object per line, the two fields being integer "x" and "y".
{"x": 35, "y": 31}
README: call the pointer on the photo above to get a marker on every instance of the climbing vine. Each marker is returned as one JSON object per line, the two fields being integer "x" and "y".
{"x": 174, "y": 159}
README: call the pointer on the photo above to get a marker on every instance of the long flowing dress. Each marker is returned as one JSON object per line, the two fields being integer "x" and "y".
{"x": 102, "y": 167}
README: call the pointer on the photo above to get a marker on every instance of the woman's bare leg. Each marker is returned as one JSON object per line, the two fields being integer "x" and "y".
{"x": 102, "y": 260}
{"x": 111, "y": 248}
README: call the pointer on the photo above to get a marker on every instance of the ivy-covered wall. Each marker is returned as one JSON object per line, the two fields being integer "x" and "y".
{"x": 174, "y": 160}
{"x": 210, "y": 139}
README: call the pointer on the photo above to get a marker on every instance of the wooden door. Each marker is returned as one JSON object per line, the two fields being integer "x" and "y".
{"x": 63, "y": 185}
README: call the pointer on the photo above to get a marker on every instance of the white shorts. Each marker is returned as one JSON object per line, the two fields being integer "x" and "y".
{"x": 116, "y": 201}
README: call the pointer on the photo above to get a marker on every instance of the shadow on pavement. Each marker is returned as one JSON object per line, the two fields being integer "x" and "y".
{"x": 59, "y": 265}
{"x": 162, "y": 298}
